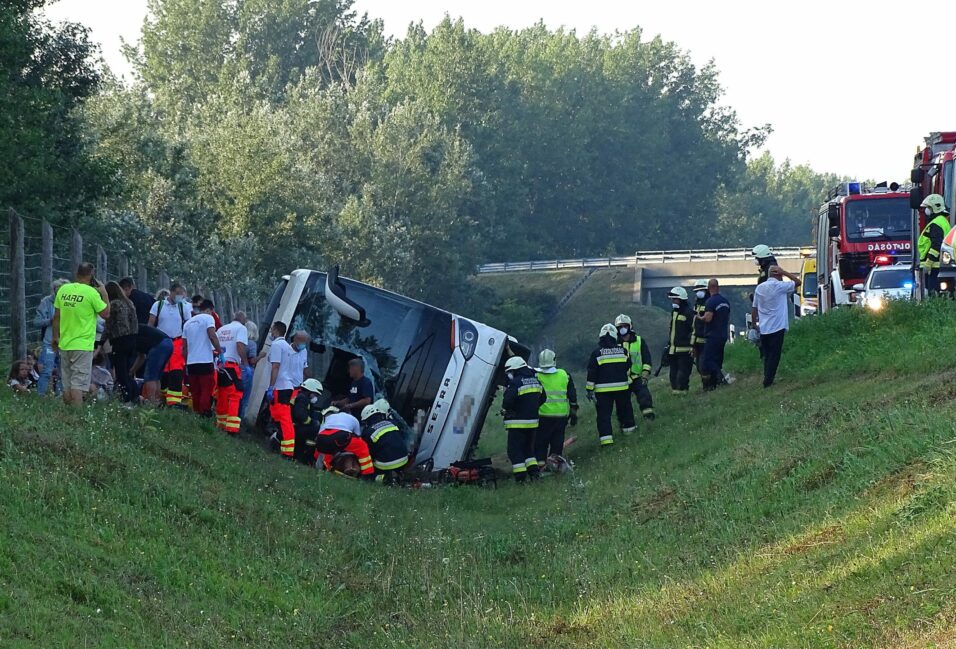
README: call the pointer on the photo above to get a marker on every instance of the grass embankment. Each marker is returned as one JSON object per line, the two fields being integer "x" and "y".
{"x": 819, "y": 513}
{"x": 574, "y": 332}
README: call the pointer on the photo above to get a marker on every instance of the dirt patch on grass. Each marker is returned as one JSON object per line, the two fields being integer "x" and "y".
{"x": 646, "y": 509}
{"x": 785, "y": 468}
{"x": 558, "y": 628}
{"x": 99, "y": 470}
{"x": 819, "y": 478}
{"x": 827, "y": 536}
{"x": 901, "y": 482}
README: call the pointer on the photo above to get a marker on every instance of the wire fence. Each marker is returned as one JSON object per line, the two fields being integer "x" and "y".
{"x": 34, "y": 253}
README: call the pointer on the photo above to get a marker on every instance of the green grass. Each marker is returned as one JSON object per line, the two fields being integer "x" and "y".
{"x": 819, "y": 513}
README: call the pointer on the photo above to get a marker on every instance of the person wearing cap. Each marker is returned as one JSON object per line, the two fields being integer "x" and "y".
{"x": 608, "y": 385}
{"x": 679, "y": 340}
{"x": 341, "y": 434}
{"x": 641, "y": 364}
{"x": 522, "y": 400}
{"x": 385, "y": 442}
{"x": 559, "y": 409}
{"x": 763, "y": 257}
{"x": 306, "y": 418}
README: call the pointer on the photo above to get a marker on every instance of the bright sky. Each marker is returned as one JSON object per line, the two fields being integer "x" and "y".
{"x": 837, "y": 79}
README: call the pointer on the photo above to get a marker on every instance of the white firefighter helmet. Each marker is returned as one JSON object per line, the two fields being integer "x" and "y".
{"x": 546, "y": 359}
{"x": 678, "y": 293}
{"x": 609, "y": 330}
{"x": 762, "y": 251}
{"x": 313, "y": 385}
{"x": 622, "y": 320}
{"x": 700, "y": 284}
{"x": 935, "y": 203}
{"x": 331, "y": 410}
{"x": 380, "y": 407}
{"x": 515, "y": 363}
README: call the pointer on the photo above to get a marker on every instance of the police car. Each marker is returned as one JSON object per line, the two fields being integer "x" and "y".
{"x": 886, "y": 283}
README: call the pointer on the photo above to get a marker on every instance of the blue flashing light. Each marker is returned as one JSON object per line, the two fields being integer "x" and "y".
{"x": 908, "y": 285}
{"x": 853, "y": 188}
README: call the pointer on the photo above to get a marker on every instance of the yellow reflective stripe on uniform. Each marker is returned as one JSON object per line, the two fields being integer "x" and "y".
{"x": 612, "y": 358}
{"x": 518, "y": 468}
{"x": 377, "y": 435}
{"x": 589, "y": 385}
{"x": 611, "y": 387}
{"x": 528, "y": 389}
{"x": 521, "y": 423}
{"x": 390, "y": 466}
{"x": 557, "y": 396}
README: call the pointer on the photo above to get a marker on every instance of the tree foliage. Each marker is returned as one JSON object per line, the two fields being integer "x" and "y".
{"x": 263, "y": 135}
{"x": 46, "y": 72}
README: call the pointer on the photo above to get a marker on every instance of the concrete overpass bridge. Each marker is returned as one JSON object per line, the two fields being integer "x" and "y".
{"x": 667, "y": 268}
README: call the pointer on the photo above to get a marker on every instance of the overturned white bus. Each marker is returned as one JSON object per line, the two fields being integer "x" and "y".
{"x": 438, "y": 370}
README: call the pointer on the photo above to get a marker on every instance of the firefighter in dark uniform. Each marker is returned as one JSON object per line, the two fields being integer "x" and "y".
{"x": 522, "y": 400}
{"x": 679, "y": 340}
{"x": 307, "y": 419}
{"x": 608, "y": 385}
{"x": 640, "y": 367}
{"x": 559, "y": 409}
{"x": 699, "y": 341}
{"x": 385, "y": 442}
{"x": 930, "y": 242}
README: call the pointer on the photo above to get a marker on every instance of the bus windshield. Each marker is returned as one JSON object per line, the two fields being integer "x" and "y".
{"x": 405, "y": 344}
{"x": 872, "y": 220}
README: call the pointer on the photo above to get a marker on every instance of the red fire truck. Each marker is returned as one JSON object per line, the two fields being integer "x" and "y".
{"x": 934, "y": 172}
{"x": 859, "y": 227}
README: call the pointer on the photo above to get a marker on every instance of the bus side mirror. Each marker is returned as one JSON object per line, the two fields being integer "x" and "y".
{"x": 834, "y": 231}
{"x": 916, "y": 175}
{"x": 916, "y": 198}
{"x": 833, "y": 215}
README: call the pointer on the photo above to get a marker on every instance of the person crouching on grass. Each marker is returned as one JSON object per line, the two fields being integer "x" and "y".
{"x": 19, "y": 379}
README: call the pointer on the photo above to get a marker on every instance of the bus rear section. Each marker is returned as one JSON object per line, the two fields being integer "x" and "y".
{"x": 438, "y": 370}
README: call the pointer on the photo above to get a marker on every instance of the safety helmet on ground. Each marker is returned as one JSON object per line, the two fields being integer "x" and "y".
{"x": 622, "y": 319}
{"x": 700, "y": 284}
{"x": 515, "y": 363}
{"x": 380, "y": 407}
{"x": 678, "y": 293}
{"x": 935, "y": 203}
{"x": 609, "y": 330}
{"x": 762, "y": 251}
{"x": 546, "y": 359}
{"x": 313, "y": 385}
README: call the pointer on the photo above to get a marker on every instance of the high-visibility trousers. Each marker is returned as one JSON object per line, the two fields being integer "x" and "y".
{"x": 228, "y": 398}
{"x": 281, "y": 411}
{"x": 171, "y": 384}
{"x": 521, "y": 452}
{"x": 330, "y": 442}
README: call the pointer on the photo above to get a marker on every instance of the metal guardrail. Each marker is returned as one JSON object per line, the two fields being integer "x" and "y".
{"x": 640, "y": 257}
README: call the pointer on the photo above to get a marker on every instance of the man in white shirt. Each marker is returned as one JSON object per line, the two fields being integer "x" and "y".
{"x": 771, "y": 316}
{"x": 169, "y": 316}
{"x": 285, "y": 367}
{"x": 200, "y": 345}
{"x": 234, "y": 337}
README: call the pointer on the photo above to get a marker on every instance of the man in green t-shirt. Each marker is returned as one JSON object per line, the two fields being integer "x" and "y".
{"x": 74, "y": 330}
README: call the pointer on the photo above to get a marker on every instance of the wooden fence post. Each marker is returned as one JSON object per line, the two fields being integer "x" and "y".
{"x": 101, "y": 267}
{"x": 18, "y": 288}
{"x": 46, "y": 257}
{"x": 142, "y": 277}
{"x": 77, "y": 252}
{"x": 122, "y": 266}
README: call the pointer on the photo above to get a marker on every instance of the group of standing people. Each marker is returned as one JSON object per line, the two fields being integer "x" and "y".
{"x": 162, "y": 350}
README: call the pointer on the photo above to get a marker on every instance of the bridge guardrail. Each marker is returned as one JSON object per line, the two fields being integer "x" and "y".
{"x": 640, "y": 257}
